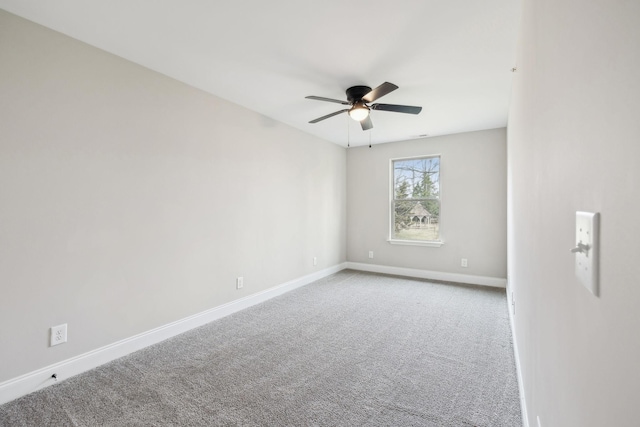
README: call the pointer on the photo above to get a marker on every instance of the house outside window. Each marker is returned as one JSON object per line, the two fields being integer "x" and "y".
{"x": 415, "y": 201}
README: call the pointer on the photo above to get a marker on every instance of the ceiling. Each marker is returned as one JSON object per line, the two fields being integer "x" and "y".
{"x": 452, "y": 57}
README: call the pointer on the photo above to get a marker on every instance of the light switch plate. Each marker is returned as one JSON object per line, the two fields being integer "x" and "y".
{"x": 587, "y": 260}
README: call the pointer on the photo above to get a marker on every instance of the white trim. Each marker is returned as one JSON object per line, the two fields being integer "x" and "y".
{"x": 32, "y": 381}
{"x": 425, "y": 243}
{"x": 523, "y": 400}
{"x": 497, "y": 282}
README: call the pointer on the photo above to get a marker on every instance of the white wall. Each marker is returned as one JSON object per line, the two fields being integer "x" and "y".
{"x": 573, "y": 144}
{"x": 129, "y": 200}
{"x": 473, "y": 209}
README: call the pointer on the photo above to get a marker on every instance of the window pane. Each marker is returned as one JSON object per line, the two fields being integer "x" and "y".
{"x": 416, "y": 220}
{"x": 416, "y": 178}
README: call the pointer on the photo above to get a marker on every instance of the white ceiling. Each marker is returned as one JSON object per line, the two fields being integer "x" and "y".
{"x": 452, "y": 57}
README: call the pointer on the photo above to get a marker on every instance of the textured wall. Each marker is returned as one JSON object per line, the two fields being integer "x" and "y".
{"x": 473, "y": 212}
{"x": 129, "y": 200}
{"x": 573, "y": 145}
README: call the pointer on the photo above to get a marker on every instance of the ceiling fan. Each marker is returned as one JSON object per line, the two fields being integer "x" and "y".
{"x": 358, "y": 97}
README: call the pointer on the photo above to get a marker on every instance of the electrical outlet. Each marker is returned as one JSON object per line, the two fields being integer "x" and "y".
{"x": 239, "y": 282}
{"x": 463, "y": 262}
{"x": 587, "y": 249}
{"x": 513, "y": 304}
{"x": 58, "y": 334}
{"x": 315, "y": 260}
{"x": 371, "y": 254}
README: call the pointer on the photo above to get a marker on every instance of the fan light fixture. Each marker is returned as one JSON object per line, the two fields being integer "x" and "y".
{"x": 359, "y": 111}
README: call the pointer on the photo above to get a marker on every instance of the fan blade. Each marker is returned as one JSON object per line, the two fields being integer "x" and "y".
{"x": 327, "y": 116}
{"x": 366, "y": 123}
{"x": 379, "y": 92}
{"x": 320, "y": 98}
{"x": 397, "y": 108}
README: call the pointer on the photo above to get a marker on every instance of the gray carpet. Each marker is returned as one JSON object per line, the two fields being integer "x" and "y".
{"x": 354, "y": 349}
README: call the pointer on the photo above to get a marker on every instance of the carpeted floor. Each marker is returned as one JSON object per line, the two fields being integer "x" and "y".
{"x": 354, "y": 349}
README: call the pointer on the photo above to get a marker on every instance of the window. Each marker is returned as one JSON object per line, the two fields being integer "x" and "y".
{"x": 415, "y": 201}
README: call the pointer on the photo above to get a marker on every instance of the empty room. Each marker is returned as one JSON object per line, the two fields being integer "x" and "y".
{"x": 288, "y": 213}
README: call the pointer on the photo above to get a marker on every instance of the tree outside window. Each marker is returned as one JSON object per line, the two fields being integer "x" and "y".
{"x": 415, "y": 207}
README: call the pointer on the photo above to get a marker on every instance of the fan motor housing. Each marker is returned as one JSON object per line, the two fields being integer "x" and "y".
{"x": 355, "y": 93}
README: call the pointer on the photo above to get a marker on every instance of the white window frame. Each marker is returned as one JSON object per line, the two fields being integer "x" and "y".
{"x": 425, "y": 243}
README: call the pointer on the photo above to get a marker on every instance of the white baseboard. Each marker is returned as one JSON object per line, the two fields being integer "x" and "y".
{"x": 523, "y": 400}
{"x": 497, "y": 282}
{"x": 32, "y": 381}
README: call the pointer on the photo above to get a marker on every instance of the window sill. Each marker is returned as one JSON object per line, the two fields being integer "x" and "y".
{"x": 428, "y": 244}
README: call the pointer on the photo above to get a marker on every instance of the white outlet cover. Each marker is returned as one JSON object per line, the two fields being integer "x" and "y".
{"x": 58, "y": 334}
{"x": 239, "y": 282}
{"x": 586, "y": 262}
